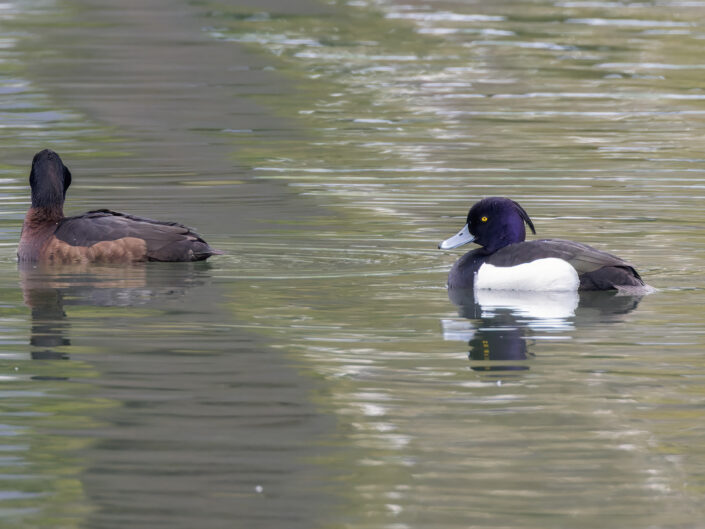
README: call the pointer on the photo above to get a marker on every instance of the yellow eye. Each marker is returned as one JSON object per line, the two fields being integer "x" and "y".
{"x": 484, "y": 219}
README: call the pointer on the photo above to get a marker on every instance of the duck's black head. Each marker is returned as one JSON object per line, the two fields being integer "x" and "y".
{"x": 493, "y": 223}
{"x": 49, "y": 180}
{"x": 497, "y": 222}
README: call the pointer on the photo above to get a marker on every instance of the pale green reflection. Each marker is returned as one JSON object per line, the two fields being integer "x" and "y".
{"x": 318, "y": 374}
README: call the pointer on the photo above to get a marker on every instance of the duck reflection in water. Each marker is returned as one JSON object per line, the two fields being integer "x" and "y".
{"x": 501, "y": 326}
{"x": 48, "y": 290}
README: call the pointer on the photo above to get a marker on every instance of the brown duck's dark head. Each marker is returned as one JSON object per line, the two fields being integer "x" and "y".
{"x": 49, "y": 180}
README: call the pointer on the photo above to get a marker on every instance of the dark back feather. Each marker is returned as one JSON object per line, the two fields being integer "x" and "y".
{"x": 165, "y": 241}
{"x": 582, "y": 257}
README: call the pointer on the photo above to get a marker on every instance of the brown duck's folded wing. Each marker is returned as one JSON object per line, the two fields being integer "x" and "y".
{"x": 164, "y": 241}
{"x": 583, "y": 258}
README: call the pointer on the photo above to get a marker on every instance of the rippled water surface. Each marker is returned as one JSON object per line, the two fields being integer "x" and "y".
{"x": 318, "y": 375}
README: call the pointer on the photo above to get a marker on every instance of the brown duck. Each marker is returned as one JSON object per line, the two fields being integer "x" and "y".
{"x": 99, "y": 236}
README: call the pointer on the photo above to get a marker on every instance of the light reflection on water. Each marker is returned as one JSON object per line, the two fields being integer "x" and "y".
{"x": 583, "y": 128}
{"x": 499, "y": 324}
{"x": 318, "y": 374}
{"x": 131, "y": 354}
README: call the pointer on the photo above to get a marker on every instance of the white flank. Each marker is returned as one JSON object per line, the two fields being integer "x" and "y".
{"x": 549, "y": 274}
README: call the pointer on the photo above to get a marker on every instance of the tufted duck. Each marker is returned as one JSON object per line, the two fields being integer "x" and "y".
{"x": 505, "y": 261}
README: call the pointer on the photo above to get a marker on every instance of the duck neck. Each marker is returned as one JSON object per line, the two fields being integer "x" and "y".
{"x": 42, "y": 216}
{"x": 39, "y": 224}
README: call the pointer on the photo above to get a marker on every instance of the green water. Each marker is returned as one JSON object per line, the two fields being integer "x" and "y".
{"x": 318, "y": 375}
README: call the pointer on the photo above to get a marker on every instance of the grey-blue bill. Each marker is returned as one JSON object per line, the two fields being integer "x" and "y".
{"x": 460, "y": 238}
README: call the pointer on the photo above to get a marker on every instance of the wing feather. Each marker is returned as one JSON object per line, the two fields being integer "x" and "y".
{"x": 582, "y": 257}
{"x": 166, "y": 241}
